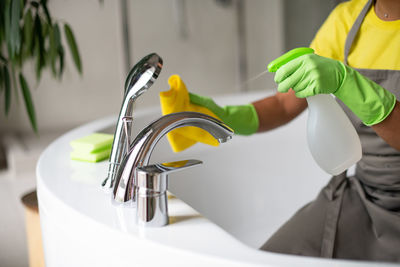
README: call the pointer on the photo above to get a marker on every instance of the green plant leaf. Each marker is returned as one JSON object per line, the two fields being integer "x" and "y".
{"x": 53, "y": 51}
{"x": 60, "y": 49}
{"x": 46, "y": 11}
{"x": 45, "y": 29}
{"x": 73, "y": 47}
{"x": 61, "y": 55}
{"x": 38, "y": 64}
{"x": 1, "y": 31}
{"x": 28, "y": 102}
{"x": 39, "y": 47}
{"x": 28, "y": 32}
{"x": 35, "y": 4}
{"x": 57, "y": 35}
{"x": 3, "y": 59}
{"x": 13, "y": 78}
{"x": 7, "y": 33}
{"x": 15, "y": 35}
{"x": 1, "y": 81}
{"x": 7, "y": 89}
{"x": 2, "y": 18}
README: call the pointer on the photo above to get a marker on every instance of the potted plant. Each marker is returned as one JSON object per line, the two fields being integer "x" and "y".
{"x": 29, "y": 34}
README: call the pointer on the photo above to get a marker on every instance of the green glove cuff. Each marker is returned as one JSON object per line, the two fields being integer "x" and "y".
{"x": 368, "y": 100}
{"x": 243, "y": 119}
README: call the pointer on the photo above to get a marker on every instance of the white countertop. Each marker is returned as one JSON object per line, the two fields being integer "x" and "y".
{"x": 71, "y": 190}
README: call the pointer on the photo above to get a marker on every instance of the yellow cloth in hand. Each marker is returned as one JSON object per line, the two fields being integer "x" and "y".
{"x": 177, "y": 100}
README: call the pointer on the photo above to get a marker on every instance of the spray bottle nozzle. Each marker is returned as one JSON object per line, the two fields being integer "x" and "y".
{"x": 274, "y": 65}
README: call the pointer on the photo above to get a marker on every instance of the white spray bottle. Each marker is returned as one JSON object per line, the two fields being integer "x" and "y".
{"x": 332, "y": 139}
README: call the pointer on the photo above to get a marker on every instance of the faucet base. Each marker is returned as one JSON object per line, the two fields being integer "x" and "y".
{"x": 152, "y": 211}
{"x": 108, "y": 183}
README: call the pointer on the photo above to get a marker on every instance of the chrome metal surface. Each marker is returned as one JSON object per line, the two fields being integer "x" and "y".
{"x": 139, "y": 79}
{"x": 143, "y": 145}
{"x": 127, "y": 126}
{"x": 151, "y": 191}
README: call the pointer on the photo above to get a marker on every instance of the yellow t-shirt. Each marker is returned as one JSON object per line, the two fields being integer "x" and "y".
{"x": 376, "y": 46}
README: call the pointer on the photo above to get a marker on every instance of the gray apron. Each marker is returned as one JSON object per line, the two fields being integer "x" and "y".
{"x": 355, "y": 217}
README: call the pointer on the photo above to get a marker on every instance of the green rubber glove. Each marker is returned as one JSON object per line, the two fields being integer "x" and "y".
{"x": 311, "y": 74}
{"x": 243, "y": 119}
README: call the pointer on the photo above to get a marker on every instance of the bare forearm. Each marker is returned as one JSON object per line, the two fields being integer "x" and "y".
{"x": 277, "y": 110}
{"x": 389, "y": 129}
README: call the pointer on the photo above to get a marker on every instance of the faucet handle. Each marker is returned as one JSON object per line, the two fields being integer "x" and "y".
{"x": 154, "y": 177}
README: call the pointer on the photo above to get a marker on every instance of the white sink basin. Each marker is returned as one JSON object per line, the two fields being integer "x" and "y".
{"x": 226, "y": 208}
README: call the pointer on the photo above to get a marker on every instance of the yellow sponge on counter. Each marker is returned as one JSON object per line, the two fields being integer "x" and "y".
{"x": 92, "y": 148}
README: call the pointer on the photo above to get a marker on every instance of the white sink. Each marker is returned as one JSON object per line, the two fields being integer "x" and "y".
{"x": 225, "y": 209}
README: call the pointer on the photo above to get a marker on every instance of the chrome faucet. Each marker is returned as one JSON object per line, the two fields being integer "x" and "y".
{"x": 139, "y": 79}
{"x": 143, "y": 145}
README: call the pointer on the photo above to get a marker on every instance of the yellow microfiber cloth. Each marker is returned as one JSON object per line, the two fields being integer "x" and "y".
{"x": 177, "y": 100}
{"x": 92, "y": 148}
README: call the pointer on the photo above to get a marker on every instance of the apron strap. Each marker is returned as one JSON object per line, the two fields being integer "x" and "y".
{"x": 354, "y": 30}
{"x": 335, "y": 193}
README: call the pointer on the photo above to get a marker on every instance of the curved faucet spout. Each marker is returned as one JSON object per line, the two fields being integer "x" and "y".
{"x": 143, "y": 145}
